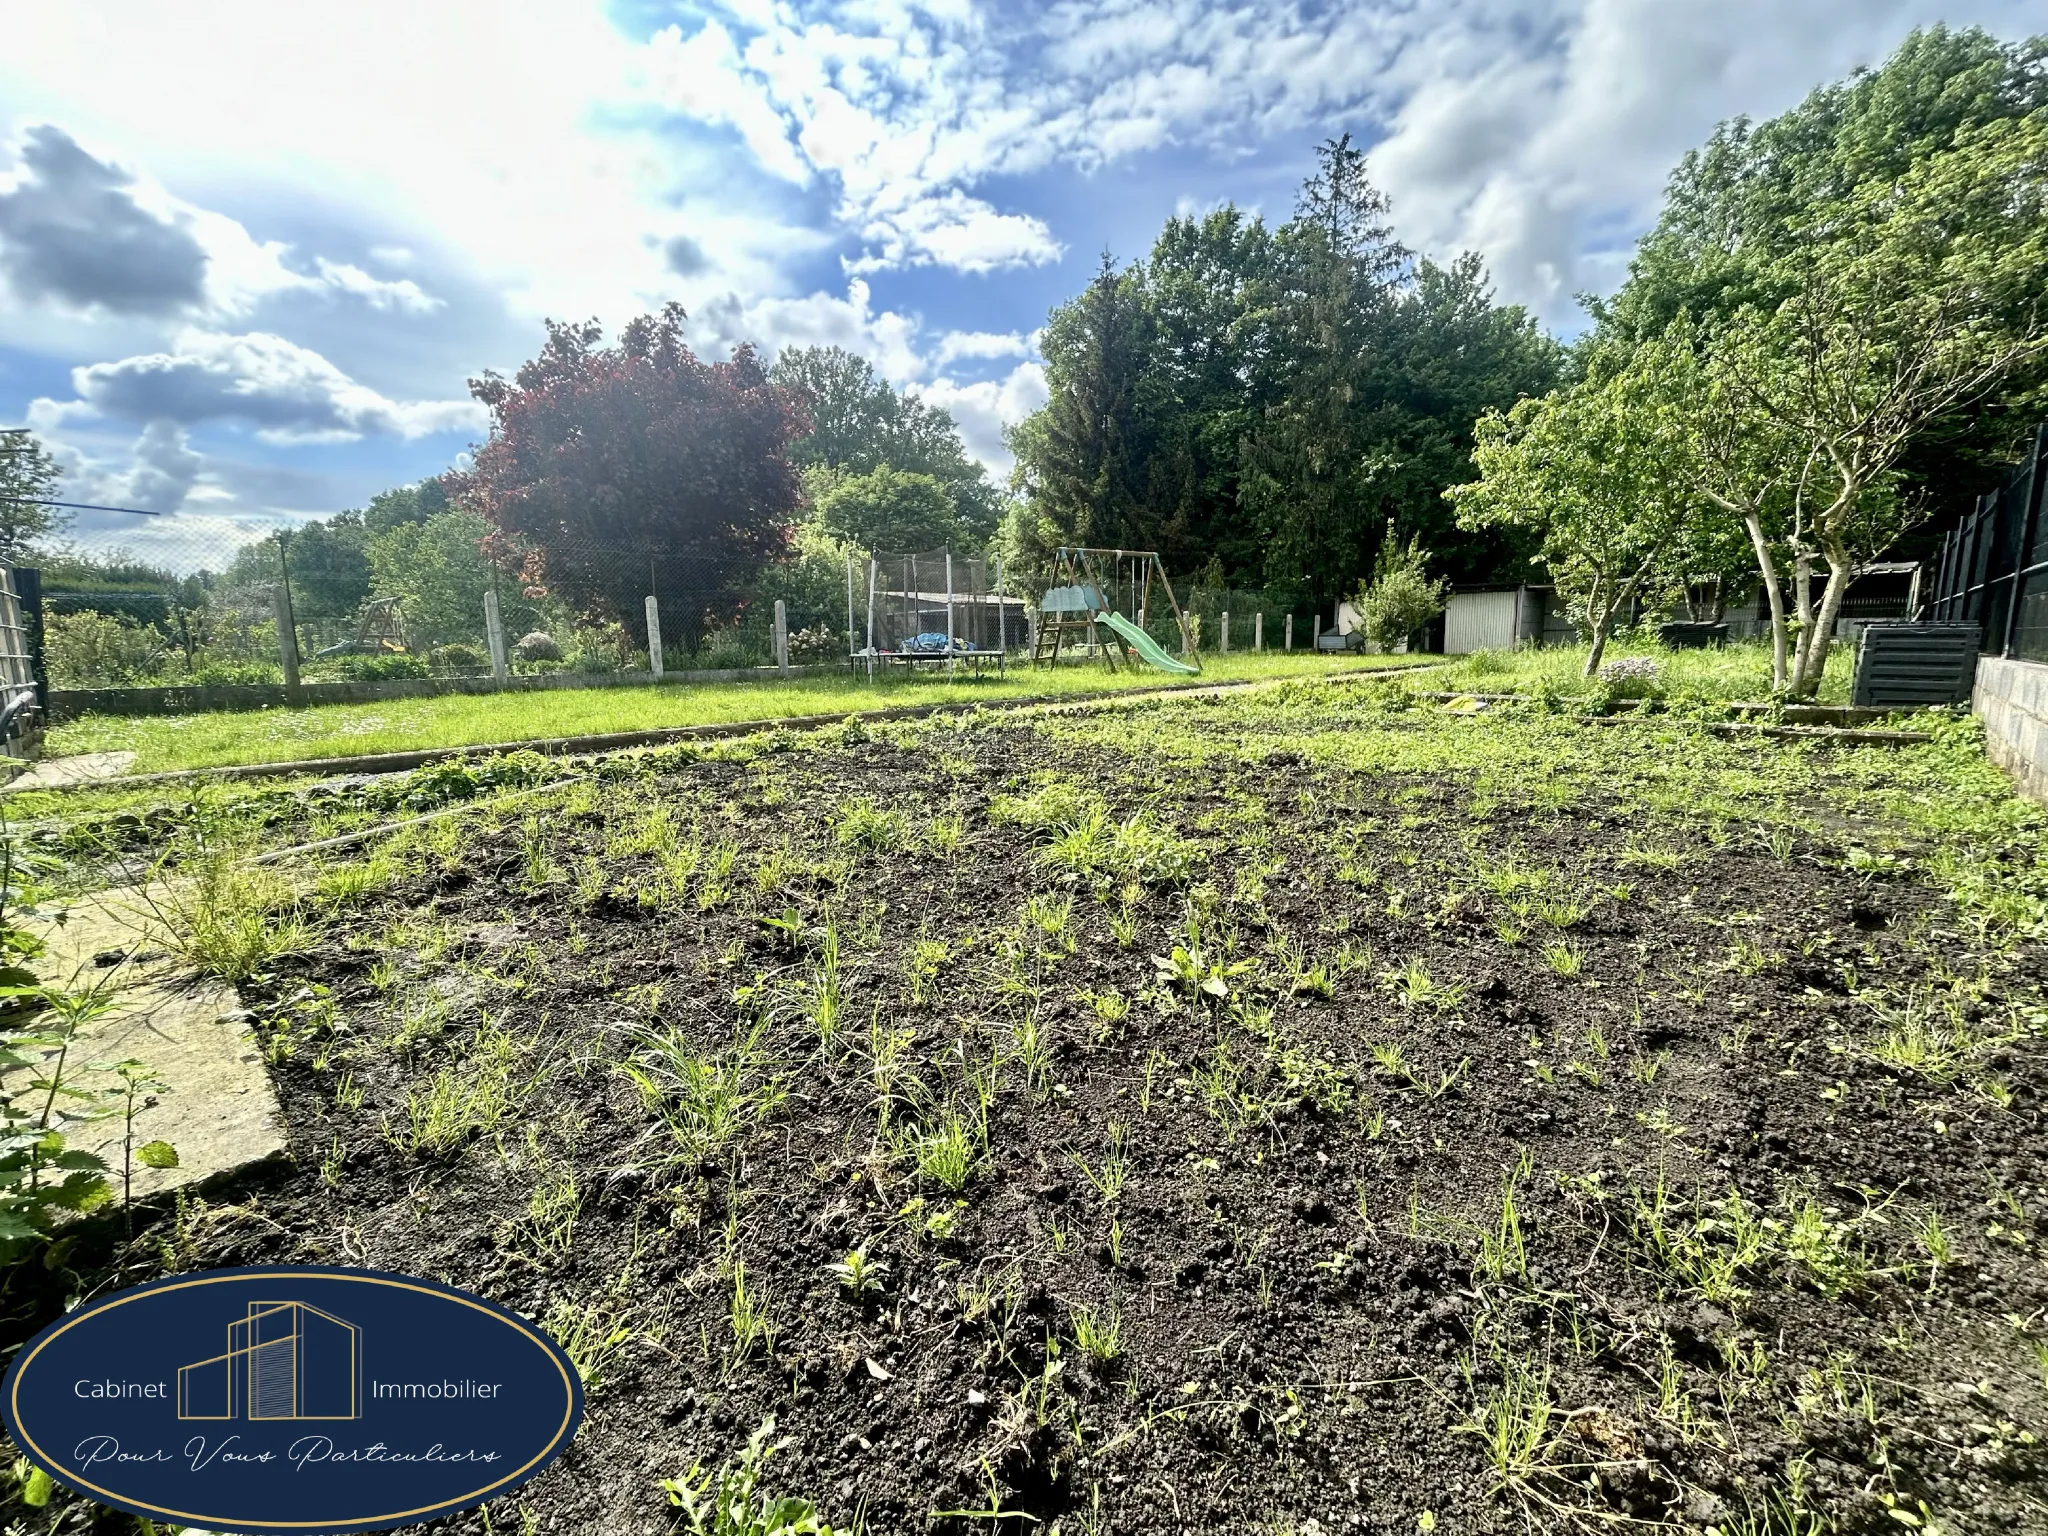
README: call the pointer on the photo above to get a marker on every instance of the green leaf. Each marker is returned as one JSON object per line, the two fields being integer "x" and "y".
{"x": 35, "y": 1488}
{"x": 157, "y": 1154}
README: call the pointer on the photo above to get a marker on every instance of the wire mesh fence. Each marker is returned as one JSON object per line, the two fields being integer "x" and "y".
{"x": 174, "y": 602}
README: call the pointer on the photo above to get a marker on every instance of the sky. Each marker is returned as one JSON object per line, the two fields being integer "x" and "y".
{"x": 251, "y": 253}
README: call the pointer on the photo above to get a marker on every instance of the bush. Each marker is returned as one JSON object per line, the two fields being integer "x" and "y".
{"x": 371, "y": 669}
{"x": 458, "y": 658}
{"x": 97, "y": 650}
{"x": 1632, "y": 677}
{"x": 1400, "y": 598}
{"x": 819, "y": 643}
{"x": 538, "y": 646}
{"x": 232, "y": 674}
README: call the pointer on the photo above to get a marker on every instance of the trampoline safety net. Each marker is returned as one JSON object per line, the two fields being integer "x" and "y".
{"x": 901, "y": 605}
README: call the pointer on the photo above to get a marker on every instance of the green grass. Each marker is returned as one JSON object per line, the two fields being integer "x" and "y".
{"x": 225, "y": 738}
{"x": 1737, "y": 671}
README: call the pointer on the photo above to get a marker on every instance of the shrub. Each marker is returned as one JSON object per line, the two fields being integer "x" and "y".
{"x": 457, "y": 658}
{"x": 1400, "y": 598}
{"x": 821, "y": 642}
{"x": 232, "y": 674}
{"x": 98, "y": 650}
{"x": 371, "y": 669}
{"x": 538, "y": 646}
{"x": 1633, "y": 677}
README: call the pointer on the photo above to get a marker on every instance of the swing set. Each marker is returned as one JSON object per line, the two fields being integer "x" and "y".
{"x": 1098, "y": 605}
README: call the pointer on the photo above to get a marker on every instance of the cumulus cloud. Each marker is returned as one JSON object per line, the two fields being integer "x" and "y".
{"x": 958, "y": 344}
{"x": 89, "y": 235}
{"x": 285, "y": 391}
{"x": 74, "y": 230}
{"x": 1535, "y": 131}
{"x": 983, "y": 409}
{"x": 888, "y": 338}
{"x": 957, "y": 231}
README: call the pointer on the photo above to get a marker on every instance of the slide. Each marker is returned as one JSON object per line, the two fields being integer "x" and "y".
{"x": 1144, "y": 644}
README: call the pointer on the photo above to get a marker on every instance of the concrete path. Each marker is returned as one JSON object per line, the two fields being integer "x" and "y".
{"x": 220, "y": 1111}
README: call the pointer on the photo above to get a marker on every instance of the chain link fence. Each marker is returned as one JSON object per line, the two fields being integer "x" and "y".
{"x": 185, "y": 602}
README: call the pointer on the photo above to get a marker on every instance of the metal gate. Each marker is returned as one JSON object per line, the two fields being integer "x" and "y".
{"x": 21, "y": 716}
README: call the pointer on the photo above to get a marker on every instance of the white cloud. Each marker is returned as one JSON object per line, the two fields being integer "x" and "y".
{"x": 983, "y": 409}
{"x": 957, "y": 231}
{"x": 958, "y": 344}
{"x": 888, "y": 338}
{"x": 285, "y": 391}
{"x": 1546, "y": 147}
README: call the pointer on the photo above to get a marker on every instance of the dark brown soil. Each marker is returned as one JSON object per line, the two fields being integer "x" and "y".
{"x": 1318, "y": 1297}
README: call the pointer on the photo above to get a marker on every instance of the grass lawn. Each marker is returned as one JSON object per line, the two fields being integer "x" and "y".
{"x": 217, "y": 739}
{"x": 1279, "y": 1111}
{"x": 1735, "y": 672}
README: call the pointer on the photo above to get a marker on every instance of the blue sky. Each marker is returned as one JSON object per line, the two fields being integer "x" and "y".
{"x": 250, "y": 252}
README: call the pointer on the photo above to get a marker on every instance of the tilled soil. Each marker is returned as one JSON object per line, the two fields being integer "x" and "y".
{"x": 1438, "y": 1161}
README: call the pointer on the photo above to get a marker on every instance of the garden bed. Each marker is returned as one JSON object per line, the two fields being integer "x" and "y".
{"x": 1298, "y": 1112}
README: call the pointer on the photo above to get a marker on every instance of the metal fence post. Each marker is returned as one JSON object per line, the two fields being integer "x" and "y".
{"x": 949, "y": 609}
{"x": 782, "y": 636}
{"x": 654, "y": 634}
{"x": 494, "y": 636}
{"x": 851, "y": 647}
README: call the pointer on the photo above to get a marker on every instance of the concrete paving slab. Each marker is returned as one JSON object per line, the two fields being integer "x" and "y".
{"x": 79, "y": 768}
{"x": 219, "y": 1109}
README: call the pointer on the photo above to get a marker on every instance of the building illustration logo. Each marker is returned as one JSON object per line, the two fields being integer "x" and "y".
{"x": 285, "y": 1360}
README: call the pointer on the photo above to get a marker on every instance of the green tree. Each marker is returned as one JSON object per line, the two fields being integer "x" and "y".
{"x": 1080, "y": 458}
{"x": 1400, "y": 598}
{"x": 1309, "y": 463}
{"x": 438, "y": 568}
{"x": 1596, "y": 474}
{"x": 859, "y": 423}
{"x": 28, "y": 477}
{"x": 1738, "y": 210}
{"x": 1910, "y": 299}
{"x": 889, "y": 509}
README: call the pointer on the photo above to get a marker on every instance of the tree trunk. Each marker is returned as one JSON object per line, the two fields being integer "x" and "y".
{"x": 1769, "y": 570}
{"x": 1814, "y": 657}
{"x": 1802, "y": 599}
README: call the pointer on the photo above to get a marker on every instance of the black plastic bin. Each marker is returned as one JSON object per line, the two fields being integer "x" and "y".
{"x": 1901, "y": 664}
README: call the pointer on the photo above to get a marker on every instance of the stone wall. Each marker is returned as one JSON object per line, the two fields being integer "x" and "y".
{"x": 2011, "y": 699}
{"x": 70, "y": 703}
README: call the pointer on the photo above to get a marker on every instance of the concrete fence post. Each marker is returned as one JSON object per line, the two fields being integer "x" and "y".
{"x": 653, "y": 634}
{"x": 1258, "y": 631}
{"x": 494, "y": 637}
{"x": 782, "y": 636}
{"x": 1224, "y": 626}
{"x": 287, "y": 638}
{"x": 1290, "y": 632}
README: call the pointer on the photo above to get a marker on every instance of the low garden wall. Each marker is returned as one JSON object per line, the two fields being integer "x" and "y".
{"x": 70, "y": 703}
{"x": 2011, "y": 698}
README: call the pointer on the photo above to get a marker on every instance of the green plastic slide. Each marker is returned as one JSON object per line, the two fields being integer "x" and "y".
{"x": 1144, "y": 644}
